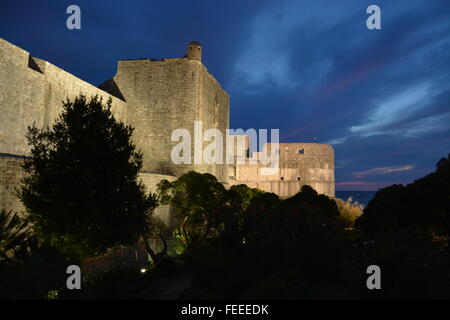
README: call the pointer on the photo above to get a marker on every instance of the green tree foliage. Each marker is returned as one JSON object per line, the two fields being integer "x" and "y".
{"x": 248, "y": 235}
{"x": 80, "y": 187}
{"x": 264, "y": 247}
{"x": 198, "y": 200}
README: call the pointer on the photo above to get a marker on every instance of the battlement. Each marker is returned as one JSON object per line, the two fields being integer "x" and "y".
{"x": 165, "y": 95}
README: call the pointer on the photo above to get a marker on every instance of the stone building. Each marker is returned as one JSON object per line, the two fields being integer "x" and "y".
{"x": 155, "y": 97}
{"x": 299, "y": 164}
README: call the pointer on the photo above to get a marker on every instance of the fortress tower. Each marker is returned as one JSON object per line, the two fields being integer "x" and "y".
{"x": 299, "y": 164}
{"x": 165, "y": 95}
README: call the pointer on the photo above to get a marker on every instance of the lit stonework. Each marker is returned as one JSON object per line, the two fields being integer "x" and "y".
{"x": 153, "y": 96}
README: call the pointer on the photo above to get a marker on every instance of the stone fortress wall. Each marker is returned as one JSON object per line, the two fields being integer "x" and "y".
{"x": 10, "y": 175}
{"x": 153, "y": 96}
{"x": 32, "y": 91}
{"x": 299, "y": 164}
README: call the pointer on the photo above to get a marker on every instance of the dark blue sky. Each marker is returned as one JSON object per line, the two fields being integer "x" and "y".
{"x": 310, "y": 68}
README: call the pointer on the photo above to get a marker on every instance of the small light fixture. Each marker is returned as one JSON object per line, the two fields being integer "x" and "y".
{"x": 143, "y": 270}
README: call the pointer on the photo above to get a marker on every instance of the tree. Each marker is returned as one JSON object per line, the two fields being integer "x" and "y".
{"x": 80, "y": 185}
{"x": 423, "y": 203}
{"x": 157, "y": 226}
{"x": 198, "y": 199}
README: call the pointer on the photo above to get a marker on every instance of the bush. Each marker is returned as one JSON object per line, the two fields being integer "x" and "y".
{"x": 413, "y": 266}
{"x": 33, "y": 277}
{"x": 14, "y": 236}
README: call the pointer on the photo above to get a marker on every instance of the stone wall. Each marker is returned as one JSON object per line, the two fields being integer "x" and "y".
{"x": 166, "y": 95}
{"x": 155, "y": 97}
{"x": 22, "y": 92}
{"x": 10, "y": 176}
{"x": 161, "y": 96}
{"x": 32, "y": 91}
{"x": 213, "y": 111}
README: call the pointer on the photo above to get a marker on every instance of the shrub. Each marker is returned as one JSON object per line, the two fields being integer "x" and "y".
{"x": 349, "y": 211}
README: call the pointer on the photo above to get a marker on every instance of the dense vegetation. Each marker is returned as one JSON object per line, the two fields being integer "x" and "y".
{"x": 83, "y": 198}
{"x": 244, "y": 243}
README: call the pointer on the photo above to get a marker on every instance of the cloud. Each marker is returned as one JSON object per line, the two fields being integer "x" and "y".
{"x": 406, "y": 129}
{"x": 269, "y": 54}
{"x": 395, "y": 108}
{"x": 365, "y": 185}
{"x": 429, "y": 124}
{"x": 336, "y": 141}
{"x": 381, "y": 171}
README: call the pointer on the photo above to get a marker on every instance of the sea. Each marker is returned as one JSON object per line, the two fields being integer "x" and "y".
{"x": 362, "y": 197}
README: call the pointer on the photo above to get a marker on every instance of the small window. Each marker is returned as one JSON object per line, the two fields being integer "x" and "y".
{"x": 282, "y": 178}
{"x": 298, "y": 178}
{"x": 301, "y": 151}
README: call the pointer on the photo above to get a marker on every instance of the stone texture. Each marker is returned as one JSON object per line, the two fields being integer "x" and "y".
{"x": 165, "y": 95}
{"x": 29, "y": 96}
{"x": 313, "y": 166}
{"x": 10, "y": 176}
